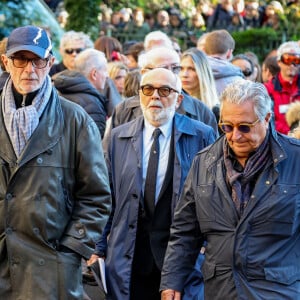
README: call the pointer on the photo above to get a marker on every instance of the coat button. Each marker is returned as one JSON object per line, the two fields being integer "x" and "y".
{"x": 81, "y": 231}
{"x": 36, "y": 230}
{"x": 41, "y": 262}
{"x": 8, "y": 196}
{"x": 39, "y": 160}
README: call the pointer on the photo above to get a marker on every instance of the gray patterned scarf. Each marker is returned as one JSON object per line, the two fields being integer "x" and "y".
{"x": 242, "y": 182}
{"x": 21, "y": 123}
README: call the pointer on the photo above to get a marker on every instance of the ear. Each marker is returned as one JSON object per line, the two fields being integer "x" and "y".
{"x": 93, "y": 74}
{"x": 51, "y": 61}
{"x": 229, "y": 54}
{"x": 5, "y": 61}
{"x": 179, "y": 100}
{"x": 268, "y": 119}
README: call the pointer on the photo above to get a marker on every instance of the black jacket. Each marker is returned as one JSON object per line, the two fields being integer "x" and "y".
{"x": 76, "y": 88}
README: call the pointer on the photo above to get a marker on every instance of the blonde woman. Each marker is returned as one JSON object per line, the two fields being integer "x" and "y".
{"x": 117, "y": 71}
{"x": 197, "y": 77}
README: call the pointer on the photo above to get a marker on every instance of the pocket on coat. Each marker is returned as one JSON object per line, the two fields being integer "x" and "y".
{"x": 208, "y": 271}
{"x": 284, "y": 275}
{"x": 205, "y": 202}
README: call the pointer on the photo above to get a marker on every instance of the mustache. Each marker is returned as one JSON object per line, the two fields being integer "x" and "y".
{"x": 155, "y": 103}
{"x": 29, "y": 78}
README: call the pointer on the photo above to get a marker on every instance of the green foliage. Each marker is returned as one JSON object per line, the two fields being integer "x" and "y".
{"x": 83, "y": 16}
{"x": 260, "y": 41}
{"x": 28, "y": 12}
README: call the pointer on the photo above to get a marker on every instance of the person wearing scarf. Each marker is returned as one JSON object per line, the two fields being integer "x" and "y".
{"x": 54, "y": 188}
{"x": 242, "y": 197}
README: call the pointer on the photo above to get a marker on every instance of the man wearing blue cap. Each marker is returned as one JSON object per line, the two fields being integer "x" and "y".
{"x": 54, "y": 191}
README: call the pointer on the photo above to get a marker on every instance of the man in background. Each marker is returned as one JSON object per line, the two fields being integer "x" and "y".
{"x": 219, "y": 46}
{"x": 71, "y": 44}
{"x": 284, "y": 88}
{"x": 82, "y": 84}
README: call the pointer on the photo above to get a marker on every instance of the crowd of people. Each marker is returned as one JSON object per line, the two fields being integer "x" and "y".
{"x": 178, "y": 168}
{"x": 189, "y": 23}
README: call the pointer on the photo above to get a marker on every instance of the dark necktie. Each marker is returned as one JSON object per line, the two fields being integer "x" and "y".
{"x": 150, "y": 183}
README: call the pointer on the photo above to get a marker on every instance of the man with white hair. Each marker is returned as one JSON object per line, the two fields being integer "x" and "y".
{"x": 71, "y": 44}
{"x": 157, "y": 39}
{"x": 130, "y": 109}
{"x": 144, "y": 199}
{"x": 82, "y": 84}
{"x": 284, "y": 88}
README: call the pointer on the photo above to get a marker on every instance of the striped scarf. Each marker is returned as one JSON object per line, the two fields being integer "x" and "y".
{"x": 21, "y": 123}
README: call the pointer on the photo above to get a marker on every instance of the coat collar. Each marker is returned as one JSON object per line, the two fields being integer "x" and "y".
{"x": 46, "y": 135}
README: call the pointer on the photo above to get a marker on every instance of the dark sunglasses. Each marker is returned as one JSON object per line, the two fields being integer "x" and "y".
{"x": 290, "y": 59}
{"x": 71, "y": 51}
{"x": 247, "y": 72}
{"x": 163, "y": 91}
{"x": 227, "y": 127}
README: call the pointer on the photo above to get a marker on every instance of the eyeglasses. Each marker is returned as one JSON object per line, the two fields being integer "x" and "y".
{"x": 71, "y": 51}
{"x": 174, "y": 68}
{"x": 247, "y": 72}
{"x": 290, "y": 59}
{"x": 227, "y": 127}
{"x": 22, "y": 62}
{"x": 163, "y": 91}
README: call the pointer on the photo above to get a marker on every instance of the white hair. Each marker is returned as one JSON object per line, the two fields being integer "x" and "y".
{"x": 157, "y": 37}
{"x": 89, "y": 59}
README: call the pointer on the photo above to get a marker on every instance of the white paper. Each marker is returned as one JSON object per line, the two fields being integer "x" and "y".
{"x": 102, "y": 273}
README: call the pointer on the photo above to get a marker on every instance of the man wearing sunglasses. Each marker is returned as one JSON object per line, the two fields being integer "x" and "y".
{"x": 54, "y": 188}
{"x": 284, "y": 88}
{"x": 71, "y": 44}
{"x": 241, "y": 196}
{"x": 130, "y": 109}
{"x": 140, "y": 230}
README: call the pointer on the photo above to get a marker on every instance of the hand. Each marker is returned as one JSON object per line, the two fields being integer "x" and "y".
{"x": 170, "y": 295}
{"x": 92, "y": 259}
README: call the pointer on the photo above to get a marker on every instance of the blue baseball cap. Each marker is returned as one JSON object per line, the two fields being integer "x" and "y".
{"x": 29, "y": 38}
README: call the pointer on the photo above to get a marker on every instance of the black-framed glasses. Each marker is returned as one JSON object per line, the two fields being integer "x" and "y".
{"x": 22, "y": 62}
{"x": 71, "y": 50}
{"x": 163, "y": 91}
{"x": 174, "y": 68}
{"x": 228, "y": 127}
{"x": 247, "y": 72}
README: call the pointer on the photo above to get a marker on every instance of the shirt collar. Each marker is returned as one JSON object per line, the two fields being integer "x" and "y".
{"x": 166, "y": 128}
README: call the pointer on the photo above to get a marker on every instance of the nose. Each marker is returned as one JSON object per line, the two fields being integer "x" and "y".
{"x": 29, "y": 67}
{"x": 236, "y": 134}
{"x": 184, "y": 72}
{"x": 155, "y": 94}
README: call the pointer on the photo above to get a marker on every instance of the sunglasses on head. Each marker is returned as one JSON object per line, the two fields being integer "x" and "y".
{"x": 227, "y": 127}
{"x": 163, "y": 91}
{"x": 247, "y": 72}
{"x": 71, "y": 51}
{"x": 290, "y": 59}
